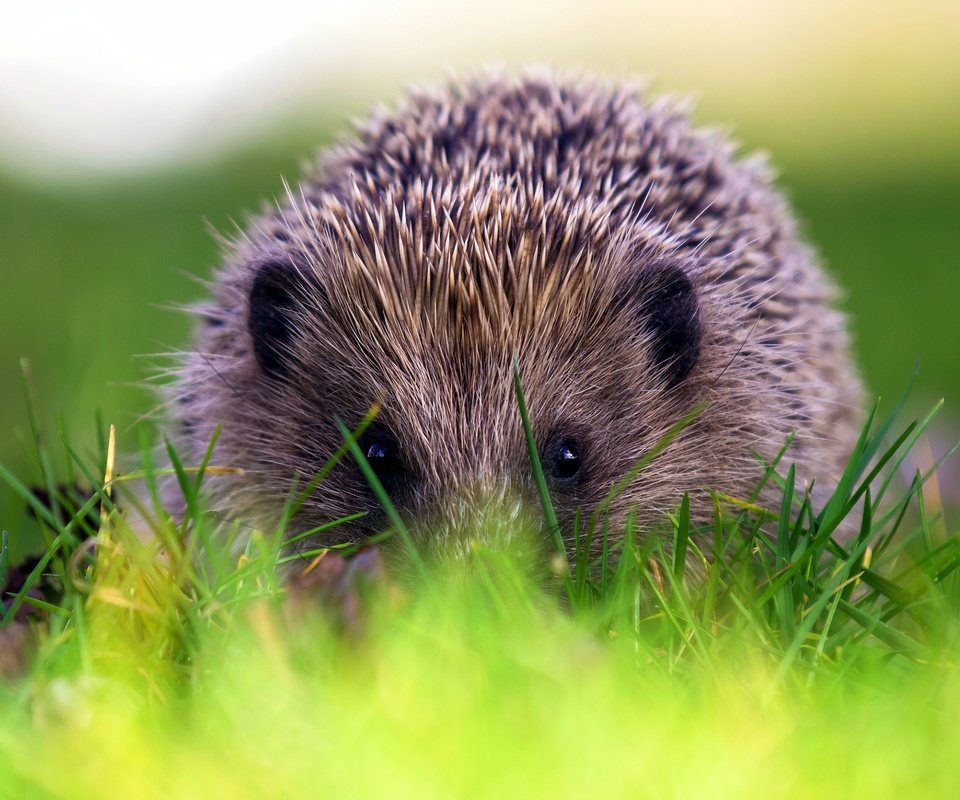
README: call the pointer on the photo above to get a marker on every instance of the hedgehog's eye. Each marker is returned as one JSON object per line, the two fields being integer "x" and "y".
{"x": 379, "y": 452}
{"x": 566, "y": 464}
{"x": 563, "y": 461}
{"x": 383, "y": 454}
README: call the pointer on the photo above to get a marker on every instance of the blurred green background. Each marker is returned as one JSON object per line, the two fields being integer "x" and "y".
{"x": 864, "y": 131}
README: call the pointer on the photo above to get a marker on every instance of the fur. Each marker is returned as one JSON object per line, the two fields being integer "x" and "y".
{"x": 633, "y": 265}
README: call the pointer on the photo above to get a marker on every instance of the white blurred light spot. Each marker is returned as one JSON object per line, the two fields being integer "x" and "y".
{"x": 106, "y": 83}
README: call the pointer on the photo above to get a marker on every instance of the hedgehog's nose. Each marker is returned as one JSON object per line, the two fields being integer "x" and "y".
{"x": 482, "y": 521}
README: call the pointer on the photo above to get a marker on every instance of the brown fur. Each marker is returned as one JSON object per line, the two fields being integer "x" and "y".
{"x": 530, "y": 216}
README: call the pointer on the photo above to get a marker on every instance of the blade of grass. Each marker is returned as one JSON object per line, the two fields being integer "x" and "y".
{"x": 4, "y": 557}
{"x": 543, "y": 493}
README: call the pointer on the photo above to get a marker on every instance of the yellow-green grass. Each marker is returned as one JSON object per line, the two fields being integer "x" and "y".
{"x": 754, "y": 658}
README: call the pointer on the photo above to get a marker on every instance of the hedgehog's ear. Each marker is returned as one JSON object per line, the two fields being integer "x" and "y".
{"x": 665, "y": 302}
{"x": 275, "y": 295}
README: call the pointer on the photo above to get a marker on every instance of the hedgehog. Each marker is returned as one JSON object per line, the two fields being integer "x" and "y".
{"x": 627, "y": 266}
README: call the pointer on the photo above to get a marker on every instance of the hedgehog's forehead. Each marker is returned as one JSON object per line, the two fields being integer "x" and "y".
{"x": 485, "y": 260}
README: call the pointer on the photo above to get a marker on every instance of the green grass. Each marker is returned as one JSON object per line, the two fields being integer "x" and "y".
{"x": 725, "y": 662}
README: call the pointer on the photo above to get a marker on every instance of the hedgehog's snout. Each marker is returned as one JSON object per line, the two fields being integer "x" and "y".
{"x": 486, "y": 517}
